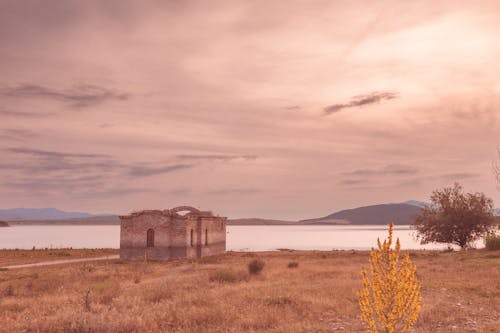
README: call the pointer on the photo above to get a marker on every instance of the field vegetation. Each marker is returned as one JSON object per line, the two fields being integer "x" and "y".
{"x": 19, "y": 257}
{"x": 460, "y": 290}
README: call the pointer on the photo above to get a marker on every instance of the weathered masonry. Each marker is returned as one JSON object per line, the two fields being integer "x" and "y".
{"x": 167, "y": 234}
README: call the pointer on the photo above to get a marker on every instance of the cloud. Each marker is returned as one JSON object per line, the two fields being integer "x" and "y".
{"x": 29, "y": 161}
{"x": 16, "y": 134}
{"x": 142, "y": 171}
{"x": 180, "y": 191}
{"x": 459, "y": 175}
{"x": 47, "y": 153}
{"x": 216, "y": 157}
{"x": 391, "y": 169}
{"x": 54, "y": 161}
{"x": 360, "y": 100}
{"x": 366, "y": 176}
{"x": 234, "y": 191}
{"x": 19, "y": 114}
{"x": 113, "y": 192}
{"x": 78, "y": 96}
{"x": 351, "y": 182}
{"x": 80, "y": 187}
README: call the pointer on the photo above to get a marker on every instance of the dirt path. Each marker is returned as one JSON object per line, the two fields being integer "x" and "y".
{"x": 63, "y": 261}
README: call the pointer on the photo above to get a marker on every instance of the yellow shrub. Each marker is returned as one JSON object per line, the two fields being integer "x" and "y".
{"x": 390, "y": 298}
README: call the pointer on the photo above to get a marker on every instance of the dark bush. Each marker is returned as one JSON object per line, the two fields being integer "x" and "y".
{"x": 293, "y": 264}
{"x": 255, "y": 266}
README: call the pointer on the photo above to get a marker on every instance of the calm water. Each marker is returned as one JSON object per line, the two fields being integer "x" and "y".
{"x": 239, "y": 238}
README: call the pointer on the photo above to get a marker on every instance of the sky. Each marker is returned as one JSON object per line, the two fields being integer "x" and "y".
{"x": 274, "y": 109}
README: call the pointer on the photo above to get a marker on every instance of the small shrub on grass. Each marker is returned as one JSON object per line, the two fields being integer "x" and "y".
{"x": 86, "y": 300}
{"x": 137, "y": 280}
{"x": 157, "y": 294}
{"x": 59, "y": 253}
{"x": 9, "y": 290}
{"x": 492, "y": 242}
{"x": 106, "y": 291}
{"x": 293, "y": 264}
{"x": 225, "y": 276}
{"x": 279, "y": 300}
{"x": 390, "y": 298}
{"x": 86, "y": 268}
{"x": 256, "y": 266}
{"x": 208, "y": 260}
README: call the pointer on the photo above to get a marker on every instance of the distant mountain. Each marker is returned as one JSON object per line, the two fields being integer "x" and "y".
{"x": 420, "y": 204}
{"x": 93, "y": 220}
{"x": 400, "y": 213}
{"x": 40, "y": 214}
{"x": 257, "y": 221}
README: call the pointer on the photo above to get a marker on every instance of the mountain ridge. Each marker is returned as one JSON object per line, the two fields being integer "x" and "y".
{"x": 42, "y": 214}
{"x": 400, "y": 213}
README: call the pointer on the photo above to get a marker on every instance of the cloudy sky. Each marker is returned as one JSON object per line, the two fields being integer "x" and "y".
{"x": 278, "y": 109}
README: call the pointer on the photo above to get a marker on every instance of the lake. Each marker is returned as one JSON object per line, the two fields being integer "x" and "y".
{"x": 239, "y": 238}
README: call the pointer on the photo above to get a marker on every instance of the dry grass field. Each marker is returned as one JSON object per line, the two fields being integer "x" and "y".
{"x": 18, "y": 257}
{"x": 461, "y": 293}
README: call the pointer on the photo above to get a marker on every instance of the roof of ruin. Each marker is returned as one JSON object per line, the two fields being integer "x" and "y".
{"x": 191, "y": 211}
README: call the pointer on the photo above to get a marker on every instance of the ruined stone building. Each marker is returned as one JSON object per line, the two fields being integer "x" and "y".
{"x": 168, "y": 234}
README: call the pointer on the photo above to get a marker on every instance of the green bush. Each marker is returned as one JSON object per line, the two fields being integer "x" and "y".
{"x": 255, "y": 266}
{"x": 492, "y": 242}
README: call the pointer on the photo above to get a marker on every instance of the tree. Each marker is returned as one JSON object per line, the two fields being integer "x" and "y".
{"x": 455, "y": 217}
{"x": 390, "y": 300}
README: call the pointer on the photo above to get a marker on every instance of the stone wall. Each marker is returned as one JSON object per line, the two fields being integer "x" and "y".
{"x": 193, "y": 235}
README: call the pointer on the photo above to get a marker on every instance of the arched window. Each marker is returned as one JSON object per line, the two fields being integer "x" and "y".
{"x": 206, "y": 236}
{"x": 192, "y": 240}
{"x": 150, "y": 238}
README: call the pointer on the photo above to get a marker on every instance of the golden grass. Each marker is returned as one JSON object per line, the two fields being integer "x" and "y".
{"x": 461, "y": 293}
{"x": 15, "y": 257}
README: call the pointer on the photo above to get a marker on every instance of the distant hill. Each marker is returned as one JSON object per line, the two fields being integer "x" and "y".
{"x": 257, "y": 221}
{"x": 420, "y": 204}
{"x": 40, "y": 214}
{"x": 400, "y": 213}
{"x": 94, "y": 220}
